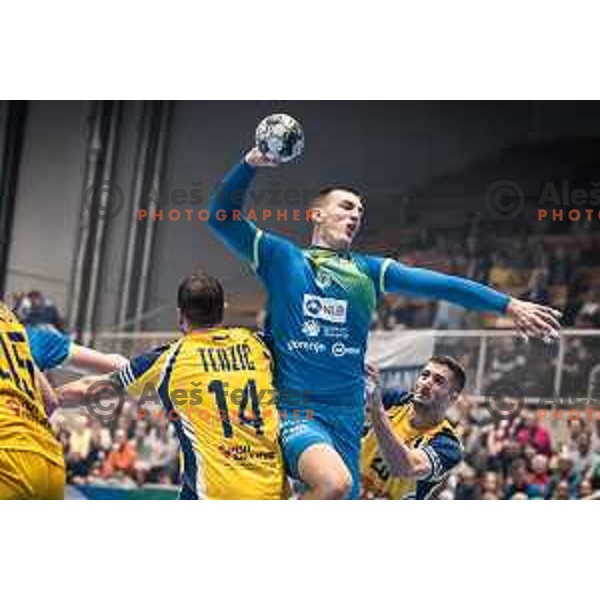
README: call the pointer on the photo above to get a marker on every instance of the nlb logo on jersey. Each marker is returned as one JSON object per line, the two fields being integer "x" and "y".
{"x": 326, "y": 309}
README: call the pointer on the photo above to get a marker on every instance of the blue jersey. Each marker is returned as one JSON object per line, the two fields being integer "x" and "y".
{"x": 320, "y": 302}
{"x": 49, "y": 348}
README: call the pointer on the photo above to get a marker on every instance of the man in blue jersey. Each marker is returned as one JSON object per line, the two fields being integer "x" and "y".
{"x": 319, "y": 308}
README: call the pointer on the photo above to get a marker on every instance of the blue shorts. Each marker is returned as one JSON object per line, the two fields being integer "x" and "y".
{"x": 337, "y": 426}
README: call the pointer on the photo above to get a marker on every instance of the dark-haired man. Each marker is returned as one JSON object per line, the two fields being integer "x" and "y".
{"x": 412, "y": 446}
{"x": 215, "y": 386}
{"x": 320, "y": 304}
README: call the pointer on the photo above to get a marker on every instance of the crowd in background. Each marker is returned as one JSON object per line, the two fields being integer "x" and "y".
{"x": 525, "y": 458}
{"x": 563, "y": 271}
{"x": 504, "y": 459}
{"x": 127, "y": 451}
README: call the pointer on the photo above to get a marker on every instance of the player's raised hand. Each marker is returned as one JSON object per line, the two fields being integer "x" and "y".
{"x": 373, "y": 389}
{"x": 536, "y": 320}
{"x": 256, "y": 158}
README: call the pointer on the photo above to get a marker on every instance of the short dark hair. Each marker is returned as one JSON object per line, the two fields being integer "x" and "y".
{"x": 460, "y": 377}
{"x": 323, "y": 192}
{"x": 200, "y": 299}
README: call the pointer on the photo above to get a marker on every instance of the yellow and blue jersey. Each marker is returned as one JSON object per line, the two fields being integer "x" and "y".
{"x": 440, "y": 443}
{"x": 23, "y": 421}
{"x": 216, "y": 387}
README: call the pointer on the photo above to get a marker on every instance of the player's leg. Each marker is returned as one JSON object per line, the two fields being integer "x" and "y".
{"x": 311, "y": 457}
{"x": 322, "y": 469}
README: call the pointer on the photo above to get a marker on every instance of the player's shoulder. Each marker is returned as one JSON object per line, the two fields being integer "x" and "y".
{"x": 446, "y": 438}
{"x": 150, "y": 356}
{"x": 371, "y": 264}
{"x": 449, "y": 429}
{"x": 258, "y": 337}
{"x": 144, "y": 362}
{"x": 238, "y": 334}
{"x": 395, "y": 397}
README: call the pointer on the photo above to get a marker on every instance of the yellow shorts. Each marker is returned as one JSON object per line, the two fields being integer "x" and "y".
{"x": 29, "y": 476}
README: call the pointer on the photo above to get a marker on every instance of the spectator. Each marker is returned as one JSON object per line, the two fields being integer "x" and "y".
{"x": 583, "y": 455}
{"x": 562, "y": 491}
{"x": 491, "y": 485}
{"x": 530, "y": 432}
{"x": 563, "y": 472}
{"x": 585, "y": 490}
{"x": 143, "y": 442}
{"x": 518, "y": 482}
{"x": 466, "y": 488}
{"x": 537, "y": 288}
{"x": 36, "y": 310}
{"x": 120, "y": 462}
{"x": 540, "y": 477}
{"x": 562, "y": 267}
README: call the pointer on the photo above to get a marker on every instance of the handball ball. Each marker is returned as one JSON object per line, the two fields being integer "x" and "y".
{"x": 280, "y": 138}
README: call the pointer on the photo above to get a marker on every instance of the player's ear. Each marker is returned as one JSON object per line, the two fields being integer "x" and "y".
{"x": 316, "y": 215}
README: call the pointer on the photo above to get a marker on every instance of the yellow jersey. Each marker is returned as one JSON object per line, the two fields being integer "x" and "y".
{"x": 23, "y": 421}
{"x": 440, "y": 442}
{"x": 216, "y": 387}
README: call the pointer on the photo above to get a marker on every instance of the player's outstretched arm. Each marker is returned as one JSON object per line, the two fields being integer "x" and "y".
{"x": 529, "y": 318}
{"x": 73, "y": 394}
{"x": 89, "y": 359}
{"x": 226, "y": 206}
{"x": 401, "y": 460}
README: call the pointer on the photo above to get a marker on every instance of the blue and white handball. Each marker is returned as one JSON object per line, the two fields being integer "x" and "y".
{"x": 280, "y": 138}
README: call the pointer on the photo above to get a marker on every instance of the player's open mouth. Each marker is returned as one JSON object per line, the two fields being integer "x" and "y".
{"x": 350, "y": 229}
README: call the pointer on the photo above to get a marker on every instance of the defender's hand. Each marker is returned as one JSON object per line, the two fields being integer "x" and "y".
{"x": 534, "y": 319}
{"x": 256, "y": 159}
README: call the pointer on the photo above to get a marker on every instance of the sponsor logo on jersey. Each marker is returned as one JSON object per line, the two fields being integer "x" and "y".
{"x": 315, "y": 347}
{"x": 311, "y": 328}
{"x": 335, "y": 332}
{"x": 340, "y": 349}
{"x": 325, "y": 309}
{"x": 323, "y": 279}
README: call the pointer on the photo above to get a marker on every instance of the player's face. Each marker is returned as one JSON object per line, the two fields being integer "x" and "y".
{"x": 339, "y": 218}
{"x": 434, "y": 386}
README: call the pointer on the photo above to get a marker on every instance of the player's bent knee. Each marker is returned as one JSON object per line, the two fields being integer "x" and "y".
{"x": 324, "y": 471}
{"x": 338, "y": 486}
